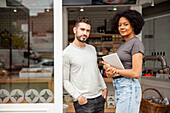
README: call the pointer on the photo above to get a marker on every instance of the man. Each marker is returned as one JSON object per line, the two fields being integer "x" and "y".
{"x": 82, "y": 78}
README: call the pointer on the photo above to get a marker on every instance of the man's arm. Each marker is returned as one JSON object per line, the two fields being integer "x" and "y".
{"x": 66, "y": 78}
{"x": 102, "y": 82}
{"x": 103, "y": 85}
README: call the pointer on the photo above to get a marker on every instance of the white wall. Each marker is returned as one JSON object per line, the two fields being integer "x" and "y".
{"x": 160, "y": 29}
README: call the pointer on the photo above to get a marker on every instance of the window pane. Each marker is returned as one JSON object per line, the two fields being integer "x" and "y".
{"x": 26, "y": 51}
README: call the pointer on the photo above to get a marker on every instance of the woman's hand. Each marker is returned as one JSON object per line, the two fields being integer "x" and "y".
{"x": 110, "y": 71}
{"x": 106, "y": 66}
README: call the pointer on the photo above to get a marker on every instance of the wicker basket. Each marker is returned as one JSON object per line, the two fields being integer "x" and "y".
{"x": 149, "y": 107}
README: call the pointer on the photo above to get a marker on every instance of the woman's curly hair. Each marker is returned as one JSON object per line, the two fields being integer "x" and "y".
{"x": 134, "y": 17}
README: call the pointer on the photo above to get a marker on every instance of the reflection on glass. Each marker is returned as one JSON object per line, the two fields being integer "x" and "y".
{"x": 26, "y": 51}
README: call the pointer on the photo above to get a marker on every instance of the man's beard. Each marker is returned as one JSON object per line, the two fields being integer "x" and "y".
{"x": 79, "y": 38}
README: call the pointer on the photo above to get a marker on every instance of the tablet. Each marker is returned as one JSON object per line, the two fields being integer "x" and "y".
{"x": 113, "y": 59}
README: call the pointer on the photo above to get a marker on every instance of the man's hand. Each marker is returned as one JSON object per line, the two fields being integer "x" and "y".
{"x": 104, "y": 93}
{"x": 82, "y": 100}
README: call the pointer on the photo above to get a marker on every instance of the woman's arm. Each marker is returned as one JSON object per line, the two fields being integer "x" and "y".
{"x": 135, "y": 72}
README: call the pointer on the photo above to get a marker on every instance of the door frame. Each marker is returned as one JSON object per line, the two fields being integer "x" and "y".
{"x": 57, "y": 106}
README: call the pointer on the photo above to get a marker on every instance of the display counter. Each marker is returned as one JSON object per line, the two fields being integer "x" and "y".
{"x": 162, "y": 85}
{"x": 50, "y": 81}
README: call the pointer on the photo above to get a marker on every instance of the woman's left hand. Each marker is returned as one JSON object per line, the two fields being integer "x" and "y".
{"x": 110, "y": 71}
{"x": 106, "y": 66}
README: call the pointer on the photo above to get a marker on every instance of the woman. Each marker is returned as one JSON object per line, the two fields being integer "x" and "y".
{"x": 127, "y": 87}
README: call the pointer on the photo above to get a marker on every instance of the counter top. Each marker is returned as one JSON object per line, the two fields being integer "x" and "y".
{"x": 154, "y": 78}
{"x": 155, "y": 82}
{"x": 50, "y": 81}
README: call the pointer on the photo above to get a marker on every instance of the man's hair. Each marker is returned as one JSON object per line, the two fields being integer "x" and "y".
{"x": 134, "y": 17}
{"x": 82, "y": 19}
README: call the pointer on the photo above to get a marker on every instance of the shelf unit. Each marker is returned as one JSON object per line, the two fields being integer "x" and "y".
{"x": 100, "y": 38}
{"x": 71, "y": 36}
{"x": 104, "y": 43}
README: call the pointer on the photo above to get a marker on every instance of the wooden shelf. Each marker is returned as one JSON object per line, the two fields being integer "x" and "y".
{"x": 102, "y": 45}
{"x": 71, "y": 108}
{"x": 70, "y": 36}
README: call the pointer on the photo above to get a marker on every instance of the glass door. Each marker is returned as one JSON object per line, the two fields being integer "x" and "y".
{"x": 27, "y": 56}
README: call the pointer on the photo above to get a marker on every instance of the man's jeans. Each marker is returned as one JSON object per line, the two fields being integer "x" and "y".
{"x": 95, "y": 105}
{"x": 127, "y": 95}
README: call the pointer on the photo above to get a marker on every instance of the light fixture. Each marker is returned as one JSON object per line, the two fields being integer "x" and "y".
{"x": 152, "y": 3}
{"x": 114, "y": 9}
{"x": 15, "y": 10}
{"x": 47, "y": 10}
{"x": 81, "y": 9}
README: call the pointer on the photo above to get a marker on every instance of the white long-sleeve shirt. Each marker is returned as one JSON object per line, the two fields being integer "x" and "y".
{"x": 81, "y": 73}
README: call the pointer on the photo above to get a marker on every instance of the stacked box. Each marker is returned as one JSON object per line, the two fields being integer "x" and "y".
{"x": 110, "y": 102}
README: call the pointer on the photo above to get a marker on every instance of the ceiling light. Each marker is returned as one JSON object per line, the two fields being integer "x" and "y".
{"x": 152, "y": 3}
{"x": 15, "y": 10}
{"x": 47, "y": 10}
{"x": 114, "y": 9}
{"x": 81, "y": 9}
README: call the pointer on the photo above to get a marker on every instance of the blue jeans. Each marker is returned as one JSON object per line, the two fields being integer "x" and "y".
{"x": 95, "y": 105}
{"x": 128, "y": 95}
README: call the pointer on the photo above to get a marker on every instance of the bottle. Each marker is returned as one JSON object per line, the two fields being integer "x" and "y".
{"x": 161, "y": 71}
{"x": 120, "y": 38}
{"x": 113, "y": 37}
{"x": 166, "y": 71}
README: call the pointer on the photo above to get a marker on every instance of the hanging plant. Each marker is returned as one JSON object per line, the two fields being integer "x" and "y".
{"x": 17, "y": 41}
{"x": 5, "y": 38}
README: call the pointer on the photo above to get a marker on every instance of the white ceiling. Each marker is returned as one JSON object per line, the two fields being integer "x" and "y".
{"x": 36, "y": 6}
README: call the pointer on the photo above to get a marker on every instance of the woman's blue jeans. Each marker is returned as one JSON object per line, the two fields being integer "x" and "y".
{"x": 127, "y": 95}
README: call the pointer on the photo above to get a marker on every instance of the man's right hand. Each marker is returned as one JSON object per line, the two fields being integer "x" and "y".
{"x": 82, "y": 100}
